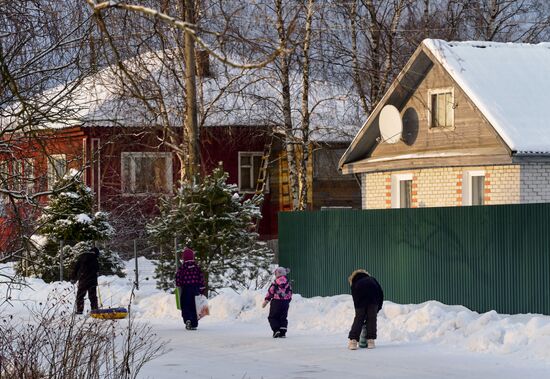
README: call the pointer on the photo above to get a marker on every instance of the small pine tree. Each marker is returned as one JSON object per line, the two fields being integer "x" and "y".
{"x": 213, "y": 219}
{"x": 69, "y": 218}
{"x": 165, "y": 270}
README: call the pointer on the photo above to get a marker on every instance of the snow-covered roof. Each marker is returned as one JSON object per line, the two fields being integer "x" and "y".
{"x": 230, "y": 97}
{"x": 508, "y": 82}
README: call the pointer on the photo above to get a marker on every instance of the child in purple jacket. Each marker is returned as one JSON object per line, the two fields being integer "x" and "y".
{"x": 190, "y": 281}
{"x": 280, "y": 295}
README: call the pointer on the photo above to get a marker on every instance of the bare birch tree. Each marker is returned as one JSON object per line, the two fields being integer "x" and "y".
{"x": 43, "y": 56}
{"x": 192, "y": 35}
{"x": 375, "y": 45}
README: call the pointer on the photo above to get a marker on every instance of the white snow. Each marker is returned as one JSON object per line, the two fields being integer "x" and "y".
{"x": 428, "y": 340}
{"x": 508, "y": 82}
{"x": 83, "y": 218}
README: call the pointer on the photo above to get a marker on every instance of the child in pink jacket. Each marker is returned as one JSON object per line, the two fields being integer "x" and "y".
{"x": 280, "y": 295}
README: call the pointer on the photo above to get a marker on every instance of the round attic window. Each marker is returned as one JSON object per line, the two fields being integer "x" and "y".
{"x": 410, "y": 126}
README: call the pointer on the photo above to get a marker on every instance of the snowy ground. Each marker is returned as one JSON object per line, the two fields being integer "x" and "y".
{"x": 428, "y": 340}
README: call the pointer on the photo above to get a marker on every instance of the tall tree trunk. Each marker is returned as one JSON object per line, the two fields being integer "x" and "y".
{"x": 375, "y": 31}
{"x": 191, "y": 123}
{"x": 290, "y": 138}
{"x": 426, "y": 18}
{"x": 357, "y": 76}
{"x": 302, "y": 204}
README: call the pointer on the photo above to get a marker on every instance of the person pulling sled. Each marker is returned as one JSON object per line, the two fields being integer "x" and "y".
{"x": 85, "y": 271}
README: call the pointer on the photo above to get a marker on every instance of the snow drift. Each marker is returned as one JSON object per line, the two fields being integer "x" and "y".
{"x": 525, "y": 335}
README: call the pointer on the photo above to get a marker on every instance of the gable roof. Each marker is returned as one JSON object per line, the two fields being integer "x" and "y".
{"x": 231, "y": 97}
{"x": 508, "y": 82}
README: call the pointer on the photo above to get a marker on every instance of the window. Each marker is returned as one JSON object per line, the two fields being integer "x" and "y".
{"x": 4, "y": 174}
{"x": 57, "y": 168}
{"x": 473, "y": 191}
{"x": 146, "y": 172}
{"x": 249, "y": 170}
{"x": 401, "y": 191}
{"x": 441, "y": 108}
{"x": 405, "y": 187}
{"x": 23, "y": 175}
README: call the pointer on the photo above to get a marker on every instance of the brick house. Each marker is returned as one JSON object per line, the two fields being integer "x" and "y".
{"x": 464, "y": 123}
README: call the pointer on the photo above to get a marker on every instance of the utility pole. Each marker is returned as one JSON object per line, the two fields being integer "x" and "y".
{"x": 191, "y": 121}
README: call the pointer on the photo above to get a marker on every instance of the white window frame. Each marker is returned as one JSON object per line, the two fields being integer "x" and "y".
{"x": 438, "y": 91}
{"x": 250, "y": 154}
{"x": 130, "y": 189}
{"x": 396, "y": 180}
{"x": 23, "y": 179}
{"x": 467, "y": 189}
{"x": 53, "y": 175}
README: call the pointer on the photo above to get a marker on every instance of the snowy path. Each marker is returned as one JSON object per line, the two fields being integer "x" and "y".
{"x": 247, "y": 351}
{"x": 416, "y": 341}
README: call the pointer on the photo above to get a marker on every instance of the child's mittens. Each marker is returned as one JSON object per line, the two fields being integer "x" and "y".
{"x": 264, "y": 304}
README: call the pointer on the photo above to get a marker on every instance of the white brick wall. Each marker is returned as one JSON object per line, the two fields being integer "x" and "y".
{"x": 504, "y": 184}
{"x": 535, "y": 183}
{"x": 374, "y": 190}
{"x": 437, "y": 187}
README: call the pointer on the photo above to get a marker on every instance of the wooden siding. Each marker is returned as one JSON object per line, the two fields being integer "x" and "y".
{"x": 280, "y": 182}
{"x": 471, "y": 130}
{"x": 497, "y": 158}
{"x": 330, "y": 188}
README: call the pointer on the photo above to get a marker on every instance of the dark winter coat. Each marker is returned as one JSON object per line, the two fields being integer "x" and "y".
{"x": 86, "y": 270}
{"x": 190, "y": 274}
{"x": 365, "y": 290}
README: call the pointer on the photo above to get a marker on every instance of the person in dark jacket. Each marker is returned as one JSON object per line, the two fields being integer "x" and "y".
{"x": 367, "y": 297}
{"x": 190, "y": 280}
{"x": 85, "y": 272}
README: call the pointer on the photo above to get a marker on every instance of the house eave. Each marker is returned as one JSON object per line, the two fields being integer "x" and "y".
{"x": 426, "y": 160}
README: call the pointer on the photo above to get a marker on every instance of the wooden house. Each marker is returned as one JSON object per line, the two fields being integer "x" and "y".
{"x": 464, "y": 123}
{"x": 126, "y": 158}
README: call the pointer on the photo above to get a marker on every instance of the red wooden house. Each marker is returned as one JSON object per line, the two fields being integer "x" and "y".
{"x": 127, "y": 159}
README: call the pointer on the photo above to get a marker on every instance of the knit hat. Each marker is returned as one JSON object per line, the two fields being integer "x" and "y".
{"x": 280, "y": 271}
{"x": 94, "y": 250}
{"x": 188, "y": 254}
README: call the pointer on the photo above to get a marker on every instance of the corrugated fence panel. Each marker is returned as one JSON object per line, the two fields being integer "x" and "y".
{"x": 490, "y": 257}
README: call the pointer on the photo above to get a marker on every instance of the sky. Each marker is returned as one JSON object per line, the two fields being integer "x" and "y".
{"x": 428, "y": 340}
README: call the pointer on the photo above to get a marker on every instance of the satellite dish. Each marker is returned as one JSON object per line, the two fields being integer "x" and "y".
{"x": 391, "y": 126}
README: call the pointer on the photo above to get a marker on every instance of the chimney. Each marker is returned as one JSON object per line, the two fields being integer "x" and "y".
{"x": 203, "y": 63}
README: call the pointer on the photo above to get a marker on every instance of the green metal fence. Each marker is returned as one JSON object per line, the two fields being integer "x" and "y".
{"x": 489, "y": 257}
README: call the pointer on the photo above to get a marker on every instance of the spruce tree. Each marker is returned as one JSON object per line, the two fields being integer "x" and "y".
{"x": 218, "y": 223}
{"x": 69, "y": 218}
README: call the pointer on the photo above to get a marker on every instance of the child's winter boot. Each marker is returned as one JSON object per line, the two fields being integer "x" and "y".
{"x": 189, "y": 326}
{"x": 276, "y": 334}
{"x": 282, "y": 332}
{"x": 370, "y": 344}
{"x": 352, "y": 344}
